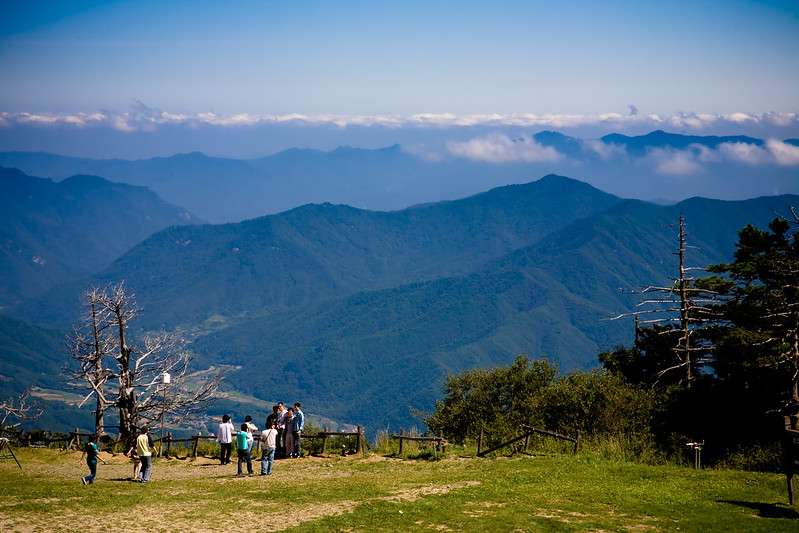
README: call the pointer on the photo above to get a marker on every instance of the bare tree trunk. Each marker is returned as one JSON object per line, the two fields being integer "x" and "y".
{"x": 795, "y": 381}
{"x": 128, "y": 412}
{"x": 685, "y": 345}
{"x": 99, "y": 425}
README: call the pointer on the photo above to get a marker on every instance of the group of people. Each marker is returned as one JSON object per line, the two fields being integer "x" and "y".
{"x": 280, "y": 438}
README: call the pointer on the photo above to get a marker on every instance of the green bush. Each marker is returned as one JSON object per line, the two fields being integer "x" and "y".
{"x": 760, "y": 458}
{"x": 207, "y": 448}
{"x": 597, "y": 405}
{"x": 495, "y": 401}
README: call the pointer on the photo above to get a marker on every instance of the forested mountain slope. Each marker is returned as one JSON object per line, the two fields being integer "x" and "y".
{"x": 51, "y": 233}
{"x": 184, "y": 276}
{"x": 552, "y": 299}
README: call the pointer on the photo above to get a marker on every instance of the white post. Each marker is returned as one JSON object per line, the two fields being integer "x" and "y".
{"x": 166, "y": 380}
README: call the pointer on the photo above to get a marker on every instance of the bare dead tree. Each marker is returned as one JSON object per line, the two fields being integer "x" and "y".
{"x": 130, "y": 378}
{"x": 19, "y": 409}
{"x": 681, "y": 307}
{"x": 90, "y": 345}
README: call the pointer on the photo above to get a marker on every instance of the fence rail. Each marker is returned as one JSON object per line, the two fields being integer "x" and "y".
{"x": 74, "y": 439}
{"x": 438, "y": 441}
{"x": 527, "y": 432}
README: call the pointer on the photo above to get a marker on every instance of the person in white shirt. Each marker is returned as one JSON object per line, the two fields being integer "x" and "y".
{"x": 269, "y": 443}
{"x": 224, "y": 435}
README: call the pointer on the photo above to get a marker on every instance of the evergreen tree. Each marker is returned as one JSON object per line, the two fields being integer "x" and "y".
{"x": 757, "y": 344}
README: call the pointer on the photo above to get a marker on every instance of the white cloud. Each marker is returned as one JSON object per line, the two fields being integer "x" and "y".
{"x": 692, "y": 159}
{"x": 142, "y": 115}
{"x": 748, "y": 153}
{"x": 773, "y": 152}
{"x": 674, "y": 162}
{"x": 785, "y": 154}
{"x": 605, "y": 151}
{"x": 498, "y": 148}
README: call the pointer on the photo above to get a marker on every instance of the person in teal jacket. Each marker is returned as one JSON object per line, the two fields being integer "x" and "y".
{"x": 92, "y": 455}
{"x": 243, "y": 447}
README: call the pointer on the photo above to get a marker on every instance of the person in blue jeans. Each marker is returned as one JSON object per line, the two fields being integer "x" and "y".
{"x": 243, "y": 448}
{"x": 299, "y": 425}
{"x": 269, "y": 442}
{"x": 145, "y": 448}
{"x": 92, "y": 455}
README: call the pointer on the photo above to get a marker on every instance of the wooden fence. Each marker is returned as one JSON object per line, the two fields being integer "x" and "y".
{"x": 326, "y": 434}
{"x": 527, "y": 432}
{"x": 74, "y": 439}
{"x": 438, "y": 441}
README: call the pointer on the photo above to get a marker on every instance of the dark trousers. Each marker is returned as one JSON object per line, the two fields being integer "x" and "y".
{"x": 281, "y": 444}
{"x": 92, "y": 471}
{"x": 244, "y": 456}
{"x": 227, "y": 447}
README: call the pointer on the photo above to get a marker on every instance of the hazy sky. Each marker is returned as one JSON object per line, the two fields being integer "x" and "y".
{"x": 390, "y": 62}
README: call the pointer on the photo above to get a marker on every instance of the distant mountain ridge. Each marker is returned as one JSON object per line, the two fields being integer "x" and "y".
{"x": 660, "y": 139}
{"x": 52, "y": 232}
{"x": 393, "y": 178}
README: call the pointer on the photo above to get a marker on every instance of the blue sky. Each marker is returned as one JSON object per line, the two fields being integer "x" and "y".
{"x": 704, "y": 66}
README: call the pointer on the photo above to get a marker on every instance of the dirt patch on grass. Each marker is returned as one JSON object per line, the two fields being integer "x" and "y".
{"x": 174, "y": 501}
{"x": 411, "y": 495}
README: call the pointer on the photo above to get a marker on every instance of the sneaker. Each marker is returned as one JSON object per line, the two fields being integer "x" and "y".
{"x": 83, "y": 480}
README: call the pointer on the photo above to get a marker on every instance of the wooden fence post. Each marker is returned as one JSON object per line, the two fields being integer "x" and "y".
{"x": 74, "y": 439}
{"x": 359, "y": 447}
{"x": 324, "y": 440}
{"x": 791, "y": 458}
{"x": 196, "y": 443}
{"x": 480, "y": 442}
{"x": 168, "y": 444}
{"x": 402, "y": 434}
{"x": 442, "y": 441}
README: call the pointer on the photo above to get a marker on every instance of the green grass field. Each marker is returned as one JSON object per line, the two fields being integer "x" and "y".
{"x": 377, "y": 493}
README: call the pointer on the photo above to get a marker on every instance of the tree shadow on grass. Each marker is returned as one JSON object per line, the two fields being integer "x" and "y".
{"x": 767, "y": 510}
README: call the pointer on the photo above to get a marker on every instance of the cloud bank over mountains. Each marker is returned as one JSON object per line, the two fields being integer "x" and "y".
{"x": 498, "y": 148}
{"x": 144, "y": 132}
{"x": 145, "y": 118}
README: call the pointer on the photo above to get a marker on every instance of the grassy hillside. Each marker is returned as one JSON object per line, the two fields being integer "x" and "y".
{"x": 377, "y": 493}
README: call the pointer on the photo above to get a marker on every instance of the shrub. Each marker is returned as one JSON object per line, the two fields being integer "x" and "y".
{"x": 496, "y": 401}
{"x": 597, "y": 405}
